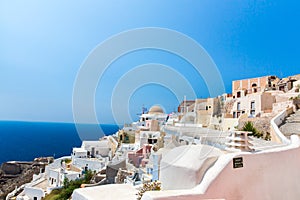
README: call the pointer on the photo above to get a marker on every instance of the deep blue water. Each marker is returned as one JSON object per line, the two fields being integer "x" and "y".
{"x": 24, "y": 141}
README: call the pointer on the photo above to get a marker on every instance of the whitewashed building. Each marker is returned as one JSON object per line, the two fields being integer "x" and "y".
{"x": 98, "y": 147}
{"x": 57, "y": 176}
{"x": 79, "y": 153}
{"x": 32, "y": 193}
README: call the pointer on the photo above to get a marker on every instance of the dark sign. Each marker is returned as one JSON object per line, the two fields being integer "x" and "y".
{"x": 238, "y": 162}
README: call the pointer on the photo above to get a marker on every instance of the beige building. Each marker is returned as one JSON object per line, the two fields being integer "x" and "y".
{"x": 186, "y": 106}
{"x": 286, "y": 84}
{"x": 257, "y": 96}
{"x": 206, "y": 109}
{"x": 253, "y": 105}
{"x": 243, "y": 87}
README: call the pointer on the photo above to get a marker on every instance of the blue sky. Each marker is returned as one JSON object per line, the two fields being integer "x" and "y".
{"x": 44, "y": 43}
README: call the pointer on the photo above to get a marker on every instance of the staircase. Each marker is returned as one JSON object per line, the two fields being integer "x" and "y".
{"x": 291, "y": 125}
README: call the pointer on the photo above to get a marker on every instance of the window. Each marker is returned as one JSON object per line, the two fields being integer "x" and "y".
{"x": 252, "y": 105}
{"x": 238, "y": 107}
{"x": 281, "y": 88}
{"x": 254, "y": 85}
{"x": 252, "y": 108}
{"x": 35, "y": 198}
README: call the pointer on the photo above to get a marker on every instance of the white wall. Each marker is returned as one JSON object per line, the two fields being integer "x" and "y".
{"x": 94, "y": 165}
{"x": 229, "y": 123}
{"x": 79, "y": 153}
{"x": 72, "y": 176}
{"x": 32, "y": 192}
{"x": 276, "y": 135}
{"x": 156, "y": 165}
{"x": 245, "y": 103}
{"x": 272, "y": 174}
{"x": 102, "y": 147}
{"x": 53, "y": 178}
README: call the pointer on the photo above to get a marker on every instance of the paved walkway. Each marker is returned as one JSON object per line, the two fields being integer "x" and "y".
{"x": 291, "y": 125}
{"x": 261, "y": 144}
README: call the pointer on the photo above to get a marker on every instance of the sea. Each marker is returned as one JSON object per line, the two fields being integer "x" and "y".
{"x": 24, "y": 141}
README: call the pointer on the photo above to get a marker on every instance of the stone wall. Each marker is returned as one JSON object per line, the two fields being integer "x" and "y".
{"x": 112, "y": 170}
{"x": 262, "y": 124}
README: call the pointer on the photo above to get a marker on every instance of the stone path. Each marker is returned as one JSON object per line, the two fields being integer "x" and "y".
{"x": 261, "y": 144}
{"x": 291, "y": 125}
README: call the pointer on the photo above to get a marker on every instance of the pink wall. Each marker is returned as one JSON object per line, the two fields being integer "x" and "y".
{"x": 264, "y": 176}
{"x": 137, "y": 157}
{"x": 272, "y": 175}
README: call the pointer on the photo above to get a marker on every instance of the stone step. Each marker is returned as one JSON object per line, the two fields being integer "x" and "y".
{"x": 290, "y": 129}
{"x": 291, "y": 125}
{"x": 293, "y": 121}
{"x": 294, "y": 117}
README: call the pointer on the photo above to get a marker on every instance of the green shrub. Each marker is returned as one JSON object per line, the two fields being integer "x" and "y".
{"x": 69, "y": 187}
{"x": 248, "y": 126}
{"x": 67, "y": 160}
{"x": 268, "y": 136}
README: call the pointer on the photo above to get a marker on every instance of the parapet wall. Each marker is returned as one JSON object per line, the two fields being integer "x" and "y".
{"x": 276, "y": 134}
{"x": 264, "y": 175}
{"x": 269, "y": 174}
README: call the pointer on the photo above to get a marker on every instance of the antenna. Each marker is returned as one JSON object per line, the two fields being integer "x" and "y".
{"x": 184, "y": 104}
{"x": 144, "y": 109}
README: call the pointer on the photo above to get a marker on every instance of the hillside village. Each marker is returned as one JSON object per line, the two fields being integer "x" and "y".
{"x": 191, "y": 152}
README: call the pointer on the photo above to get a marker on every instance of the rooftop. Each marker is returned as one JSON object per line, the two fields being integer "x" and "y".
{"x": 106, "y": 192}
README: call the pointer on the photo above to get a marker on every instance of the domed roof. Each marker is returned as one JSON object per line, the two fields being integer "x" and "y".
{"x": 156, "y": 110}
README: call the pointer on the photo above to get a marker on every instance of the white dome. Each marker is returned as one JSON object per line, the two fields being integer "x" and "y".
{"x": 156, "y": 110}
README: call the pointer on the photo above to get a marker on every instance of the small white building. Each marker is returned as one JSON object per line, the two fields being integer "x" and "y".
{"x": 111, "y": 191}
{"x": 32, "y": 193}
{"x": 94, "y": 164}
{"x": 57, "y": 176}
{"x": 152, "y": 168}
{"x": 79, "y": 153}
{"x": 146, "y": 136}
{"x": 99, "y": 147}
{"x": 35, "y": 190}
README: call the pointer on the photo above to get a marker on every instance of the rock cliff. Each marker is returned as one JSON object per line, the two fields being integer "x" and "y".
{"x": 16, "y": 173}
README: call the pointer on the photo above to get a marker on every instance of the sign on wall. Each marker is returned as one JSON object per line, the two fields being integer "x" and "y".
{"x": 238, "y": 162}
